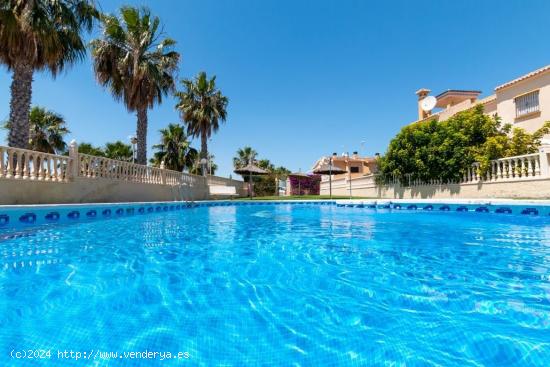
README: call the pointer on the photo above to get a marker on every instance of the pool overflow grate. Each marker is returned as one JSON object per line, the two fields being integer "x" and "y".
{"x": 543, "y": 210}
{"x": 14, "y": 218}
{"x": 68, "y": 215}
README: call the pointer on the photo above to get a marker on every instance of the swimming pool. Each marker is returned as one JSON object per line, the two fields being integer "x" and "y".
{"x": 277, "y": 284}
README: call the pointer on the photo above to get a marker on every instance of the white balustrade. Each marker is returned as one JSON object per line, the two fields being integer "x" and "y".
{"x": 23, "y": 164}
{"x": 523, "y": 167}
{"x": 507, "y": 169}
{"x": 100, "y": 167}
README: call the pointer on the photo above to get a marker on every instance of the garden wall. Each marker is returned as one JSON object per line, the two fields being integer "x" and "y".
{"x": 365, "y": 187}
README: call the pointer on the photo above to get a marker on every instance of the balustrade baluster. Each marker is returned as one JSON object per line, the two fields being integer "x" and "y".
{"x": 46, "y": 170}
{"x": 18, "y": 165}
{"x": 55, "y": 169}
{"x": 64, "y": 165}
{"x": 9, "y": 164}
{"x": 33, "y": 174}
{"x": 26, "y": 168}
{"x": 537, "y": 166}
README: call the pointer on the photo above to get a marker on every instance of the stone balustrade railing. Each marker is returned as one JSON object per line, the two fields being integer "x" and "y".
{"x": 31, "y": 165}
{"x": 25, "y": 164}
{"x": 99, "y": 167}
{"x": 517, "y": 168}
{"x": 509, "y": 168}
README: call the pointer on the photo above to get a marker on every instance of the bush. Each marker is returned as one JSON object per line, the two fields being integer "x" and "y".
{"x": 305, "y": 185}
{"x": 444, "y": 150}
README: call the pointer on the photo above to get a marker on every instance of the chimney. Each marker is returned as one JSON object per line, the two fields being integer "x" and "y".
{"x": 422, "y": 93}
{"x": 355, "y": 155}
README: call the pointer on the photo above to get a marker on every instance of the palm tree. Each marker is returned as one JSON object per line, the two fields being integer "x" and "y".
{"x": 119, "y": 151}
{"x": 196, "y": 167}
{"x": 39, "y": 35}
{"x": 266, "y": 165}
{"x": 201, "y": 107}
{"x": 174, "y": 149}
{"x": 47, "y": 131}
{"x": 137, "y": 67}
{"x": 212, "y": 166}
{"x": 244, "y": 156}
{"x": 87, "y": 148}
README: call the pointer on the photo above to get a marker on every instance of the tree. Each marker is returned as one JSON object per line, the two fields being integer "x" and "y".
{"x": 268, "y": 185}
{"x": 87, "y": 148}
{"x": 444, "y": 150}
{"x": 266, "y": 164}
{"x": 202, "y": 106}
{"x": 47, "y": 131}
{"x": 39, "y": 35}
{"x": 196, "y": 167}
{"x": 119, "y": 151}
{"x": 174, "y": 149}
{"x": 264, "y": 185}
{"x": 244, "y": 156}
{"x": 137, "y": 67}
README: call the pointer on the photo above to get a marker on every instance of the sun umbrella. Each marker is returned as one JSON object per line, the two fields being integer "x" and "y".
{"x": 250, "y": 170}
{"x": 328, "y": 169}
{"x": 298, "y": 175}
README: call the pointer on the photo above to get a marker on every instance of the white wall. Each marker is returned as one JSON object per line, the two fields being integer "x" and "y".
{"x": 506, "y": 107}
{"x": 365, "y": 187}
{"x": 97, "y": 190}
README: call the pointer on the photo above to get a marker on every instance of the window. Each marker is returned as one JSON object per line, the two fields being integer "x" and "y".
{"x": 354, "y": 169}
{"x": 527, "y": 103}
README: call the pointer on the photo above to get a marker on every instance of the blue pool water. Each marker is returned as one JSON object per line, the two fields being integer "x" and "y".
{"x": 289, "y": 285}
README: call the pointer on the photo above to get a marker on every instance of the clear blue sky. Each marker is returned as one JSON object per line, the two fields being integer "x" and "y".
{"x": 308, "y": 78}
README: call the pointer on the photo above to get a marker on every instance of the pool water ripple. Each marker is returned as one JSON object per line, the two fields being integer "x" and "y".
{"x": 284, "y": 285}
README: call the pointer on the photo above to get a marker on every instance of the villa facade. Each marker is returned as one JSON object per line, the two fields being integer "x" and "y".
{"x": 354, "y": 165}
{"x": 523, "y": 102}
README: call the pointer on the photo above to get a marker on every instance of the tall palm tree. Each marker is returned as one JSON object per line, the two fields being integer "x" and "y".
{"x": 174, "y": 149}
{"x": 39, "y": 35}
{"x": 244, "y": 156}
{"x": 47, "y": 131}
{"x": 202, "y": 106}
{"x": 135, "y": 64}
{"x": 119, "y": 151}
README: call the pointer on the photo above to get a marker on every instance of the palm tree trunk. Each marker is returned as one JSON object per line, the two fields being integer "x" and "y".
{"x": 204, "y": 145}
{"x": 20, "y": 104}
{"x": 141, "y": 135}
